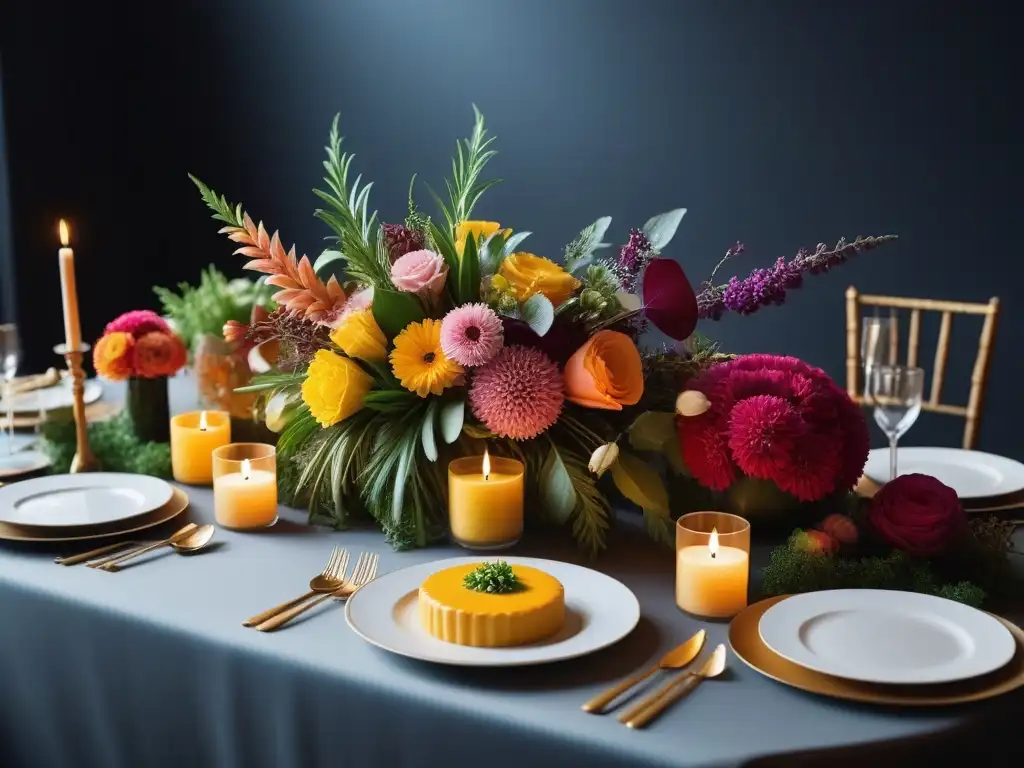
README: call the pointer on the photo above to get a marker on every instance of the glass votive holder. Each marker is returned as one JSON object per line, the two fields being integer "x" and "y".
{"x": 712, "y": 564}
{"x": 485, "y": 502}
{"x": 245, "y": 486}
{"x": 194, "y": 438}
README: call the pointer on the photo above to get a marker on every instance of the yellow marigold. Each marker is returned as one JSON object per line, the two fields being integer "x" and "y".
{"x": 481, "y": 230}
{"x": 334, "y": 387}
{"x": 419, "y": 362}
{"x": 360, "y": 336}
{"x": 529, "y": 274}
{"x": 112, "y": 356}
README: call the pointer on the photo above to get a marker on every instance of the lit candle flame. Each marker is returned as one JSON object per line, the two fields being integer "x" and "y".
{"x": 64, "y": 237}
{"x": 487, "y": 465}
{"x": 713, "y": 542}
{"x": 202, "y": 421}
{"x": 246, "y": 469}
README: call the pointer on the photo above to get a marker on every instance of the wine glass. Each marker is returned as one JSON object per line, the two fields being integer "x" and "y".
{"x": 10, "y": 351}
{"x": 876, "y": 336}
{"x": 896, "y": 392}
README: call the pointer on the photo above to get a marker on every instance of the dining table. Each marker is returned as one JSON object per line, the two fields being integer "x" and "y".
{"x": 151, "y": 667}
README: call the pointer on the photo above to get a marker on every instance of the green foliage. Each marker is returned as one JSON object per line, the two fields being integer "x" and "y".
{"x": 662, "y": 228}
{"x": 579, "y": 252}
{"x": 347, "y": 214}
{"x": 394, "y": 310}
{"x": 113, "y": 442}
{"x": 557, "y": 491}
{"x": 496, "y": 577}
{"x": 538, "y": 312}
{"x": 222, "y": 209}
{"x": 274, "y": 380}
{"x": 791, "y": 570}
{"x": 205, "y": 308}
{"x": 467, "y": 289}
{"x": 465, "y": 187}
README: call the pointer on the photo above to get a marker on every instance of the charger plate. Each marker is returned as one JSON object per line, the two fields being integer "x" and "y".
{"x": 745, "y": 639}
{"x": 170, "y": 510}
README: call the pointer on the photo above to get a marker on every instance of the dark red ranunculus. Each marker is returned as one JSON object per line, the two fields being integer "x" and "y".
{"x": 918, "y": 514}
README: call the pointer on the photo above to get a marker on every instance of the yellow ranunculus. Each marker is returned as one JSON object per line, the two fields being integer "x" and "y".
{"x": 334, "y": 387}
{"x": 360, "y": 336}
{"x": 529, "y": 274}
{"x": 481, "y": 230}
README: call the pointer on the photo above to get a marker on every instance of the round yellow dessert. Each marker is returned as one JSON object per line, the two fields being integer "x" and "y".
{"x": 454, "y": 613}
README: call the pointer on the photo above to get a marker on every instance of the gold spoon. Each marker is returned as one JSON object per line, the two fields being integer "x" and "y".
{"x": 677, "y": 658}
{"x": 674, "y": 690}
{"x": 190, "y": 542}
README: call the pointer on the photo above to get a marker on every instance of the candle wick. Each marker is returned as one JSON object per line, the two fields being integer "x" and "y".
{"x": 714, "y": 555}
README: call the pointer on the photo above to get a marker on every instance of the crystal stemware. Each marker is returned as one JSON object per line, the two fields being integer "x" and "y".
{"x": 10, "y": 351}
{"x": 896, "y": 392}
{"x": 876, "y": 338}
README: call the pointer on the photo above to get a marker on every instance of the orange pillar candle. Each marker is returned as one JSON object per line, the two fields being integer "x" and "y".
{"x": 245, "y": 485}
{"x": 485, "y": 501}
{"x": 712, "y": 568}
{"x": 69, "y": 291}
{"x": 194, "y": 437}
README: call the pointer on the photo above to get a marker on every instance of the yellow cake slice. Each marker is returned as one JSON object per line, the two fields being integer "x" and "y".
{"x": 452, "y": 612}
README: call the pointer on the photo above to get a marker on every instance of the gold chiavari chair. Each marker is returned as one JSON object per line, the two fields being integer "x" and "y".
{"x": 989, "y": 311}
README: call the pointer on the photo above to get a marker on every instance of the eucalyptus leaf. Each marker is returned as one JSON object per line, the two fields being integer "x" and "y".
{"x": 427, "y": 434}
{"x": 538, "y": 312}
{"x": 662, "y": 228}
{"x": 641, "y": 484}
{"x": 651, "y": 430}
{"x": 673, "y": 454}
{"x": 453, "y": 414}
{"x": 557, "y": 491}
{"x": 394, "y": 310}
{"x": 491, "y": 254}
{"x": 513, "y": 242}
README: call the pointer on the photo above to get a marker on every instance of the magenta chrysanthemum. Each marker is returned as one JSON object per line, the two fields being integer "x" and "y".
{"x": 471, "y": 334}
{"x": 763, "y": 430}
{"x": 519, "y": 394}
{"x": 138, "y": 323}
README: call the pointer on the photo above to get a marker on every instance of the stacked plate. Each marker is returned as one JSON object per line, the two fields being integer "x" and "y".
{"x": 984, "y": 481}
{"x": 881, "y": 646}
{"x": 86, "y": 506}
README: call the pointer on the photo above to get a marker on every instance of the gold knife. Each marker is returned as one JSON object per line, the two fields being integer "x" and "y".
{"x": 677, "y": 658}
{"x": 673, "y": 690}
{"x": 94, "y": 553}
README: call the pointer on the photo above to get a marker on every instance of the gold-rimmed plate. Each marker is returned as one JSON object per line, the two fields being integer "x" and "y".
{"x": 177, "y": 504}
{"x": 745, "y": 639}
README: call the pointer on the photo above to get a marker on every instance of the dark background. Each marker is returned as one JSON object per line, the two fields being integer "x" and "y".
{"x": 779, "y": 123}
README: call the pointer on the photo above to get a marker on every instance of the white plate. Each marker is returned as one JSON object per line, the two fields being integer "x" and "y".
{"x": 884, "y": 636}
{"x": 22, "y": 462}
{"x": 65, "y": 501}
{"x": 599, "y": 611}
{"x": 52, "y": 398}
{"x": 972, "y": 474}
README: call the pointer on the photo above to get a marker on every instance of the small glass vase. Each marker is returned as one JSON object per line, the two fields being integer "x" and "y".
{"x": 148, "y": 408}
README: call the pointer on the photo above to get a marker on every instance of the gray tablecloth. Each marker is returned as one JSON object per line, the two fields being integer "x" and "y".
{"x": 151, "y": 667}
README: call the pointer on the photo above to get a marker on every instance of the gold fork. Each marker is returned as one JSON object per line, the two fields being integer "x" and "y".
{"x": 330, "y": 579}
{"x": 364, "y": 572}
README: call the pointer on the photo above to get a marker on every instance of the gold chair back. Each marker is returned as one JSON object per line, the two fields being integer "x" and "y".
{"x": 989, "y": 311}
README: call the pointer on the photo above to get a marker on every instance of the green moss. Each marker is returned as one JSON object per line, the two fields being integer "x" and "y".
{"x": 112, "y": 442}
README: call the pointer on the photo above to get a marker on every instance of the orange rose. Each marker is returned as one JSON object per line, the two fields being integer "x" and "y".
{"x": 112, "y": 356}
{"x": 158, "y": 354}
{"x": 606, "y": 372}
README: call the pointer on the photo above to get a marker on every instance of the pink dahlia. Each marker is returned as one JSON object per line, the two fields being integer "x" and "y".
{"x": 778, "y": 419}
{"x": 472, "y": 334}
{"x": 518, "y": 394}
{"x": 138, "y": 323}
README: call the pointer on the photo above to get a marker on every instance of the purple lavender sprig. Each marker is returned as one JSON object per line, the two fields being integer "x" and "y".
{"x": 764, "y": 287}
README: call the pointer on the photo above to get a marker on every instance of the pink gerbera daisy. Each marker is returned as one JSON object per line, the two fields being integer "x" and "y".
{"x": 519, "y": 394}
{"x": 471, "y": 334}
{"x": 138, "y": 323}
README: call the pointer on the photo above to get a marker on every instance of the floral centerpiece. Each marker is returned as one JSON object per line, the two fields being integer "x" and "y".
{"x": 141, "y": 348}
{"x": 407, "y": 344}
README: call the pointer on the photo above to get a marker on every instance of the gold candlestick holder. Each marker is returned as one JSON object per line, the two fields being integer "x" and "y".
{"x": 84, "y": 460}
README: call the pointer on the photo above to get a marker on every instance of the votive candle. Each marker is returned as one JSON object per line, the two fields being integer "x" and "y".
{"x": 485, "y": 501}
{"x": 194, "y": 437}
{"x": 245, "y": 485}
{"x": 712, "y": 564}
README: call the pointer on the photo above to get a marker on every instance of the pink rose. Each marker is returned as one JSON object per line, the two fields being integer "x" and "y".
{"x": 420, "y": 272}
